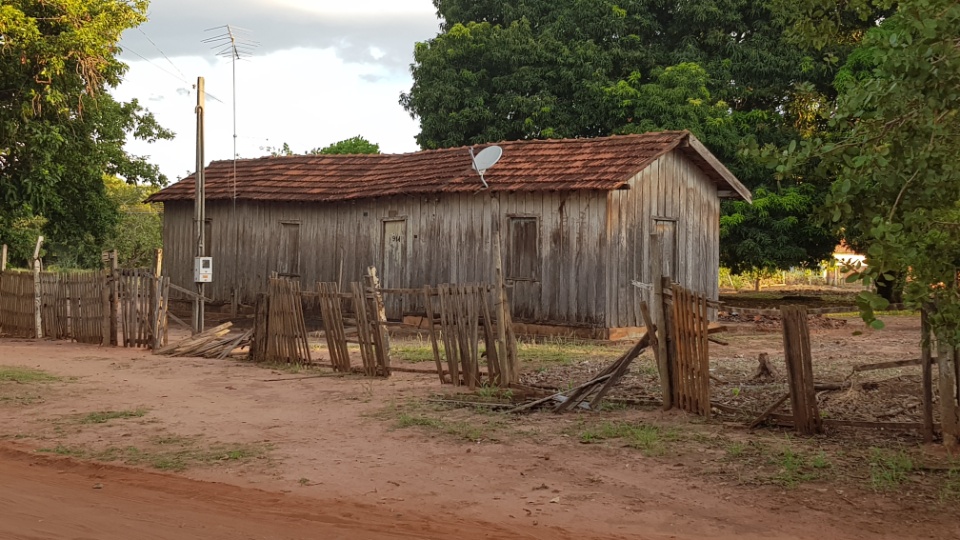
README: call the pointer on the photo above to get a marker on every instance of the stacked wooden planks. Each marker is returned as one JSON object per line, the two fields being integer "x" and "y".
{"x": 371, "y": 334}
{"x": 215, "y": 342}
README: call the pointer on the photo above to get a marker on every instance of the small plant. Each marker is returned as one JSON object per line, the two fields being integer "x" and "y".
{"x": 820, "y": 461}
{"x": 793, "y": 469}
{"x": 735, "y": 392}
{"x": 888, "y": 469}
{"x": 736, "y": 449}
{"x": 304, "y": 482}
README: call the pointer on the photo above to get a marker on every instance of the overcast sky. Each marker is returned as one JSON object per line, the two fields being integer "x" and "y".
{"x": 322, "y": 71}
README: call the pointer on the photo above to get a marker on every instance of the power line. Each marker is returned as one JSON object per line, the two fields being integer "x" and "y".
{"x": 157, "y": 47}
{"x": 174, "y": 75}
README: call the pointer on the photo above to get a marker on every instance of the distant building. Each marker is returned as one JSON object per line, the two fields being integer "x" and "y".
{"x": 575, "y": 217}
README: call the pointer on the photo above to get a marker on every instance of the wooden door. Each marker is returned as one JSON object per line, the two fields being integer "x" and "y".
{"x": 667, "y": 229}
{"x": 393, "y": 261}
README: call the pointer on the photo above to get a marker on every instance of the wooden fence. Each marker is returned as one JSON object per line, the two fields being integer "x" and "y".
{"x": 17, "y": 297}
{"x": 86, "y": 306}
{"x": 286, "y": 331}
{"x": 143, "y": 301}
{"x": 75, "y": 305}
{"x": 690, "y": 353}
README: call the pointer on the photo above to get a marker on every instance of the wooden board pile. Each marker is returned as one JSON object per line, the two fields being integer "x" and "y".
{"x": 213, "y": 343}
{"x": 597, "y": 387}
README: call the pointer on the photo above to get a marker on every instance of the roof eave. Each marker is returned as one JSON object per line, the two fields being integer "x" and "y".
{"x": 737, "y": 190}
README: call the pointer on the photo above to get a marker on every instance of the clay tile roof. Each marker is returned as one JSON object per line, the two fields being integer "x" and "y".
{"x": 604, "y": 163}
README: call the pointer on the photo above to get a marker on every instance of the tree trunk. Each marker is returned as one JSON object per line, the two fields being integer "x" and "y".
{"x": 890, "y": 289}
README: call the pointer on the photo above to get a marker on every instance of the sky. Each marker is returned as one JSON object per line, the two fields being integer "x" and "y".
{"x": 321, "y": 71}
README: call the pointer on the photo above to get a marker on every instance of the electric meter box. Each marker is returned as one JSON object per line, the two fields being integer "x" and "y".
{"x": 203, "y": 269}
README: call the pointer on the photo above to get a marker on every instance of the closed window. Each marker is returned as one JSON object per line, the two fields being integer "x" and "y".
{"x": 289, "y": 253}
{"x": 523, "y": 251}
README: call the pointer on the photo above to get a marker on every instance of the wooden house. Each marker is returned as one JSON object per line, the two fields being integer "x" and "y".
{"x": 575, "y": 217}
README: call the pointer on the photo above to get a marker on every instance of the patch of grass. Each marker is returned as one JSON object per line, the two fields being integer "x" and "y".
{"x": 24, "y": 399}
{"x": 25, "y": 375}
{"x": 564, "y": 352}
{"x": 950, "y": 488}
{"x": 651, "y": 440}
{"x": 175, "y": 458}
{"x": 62, "y": 450}
{"x": 413, "y": 351}
{"x": 458, "y": 429}
{"x": 495, "y": 393}
{"x": 102, "y": 417}
{"x": 888, "y": 469}
{"x": 793, "y": 469}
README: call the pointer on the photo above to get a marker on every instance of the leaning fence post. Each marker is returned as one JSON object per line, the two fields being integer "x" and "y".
{"x": 660, "y": 320}
{"x": 796, "y": 348}
{"x": 3, "y": 258}
{"x": 37, "y": 290}
{"x": 380, "y": 321}
{"x": 927, "y": 363}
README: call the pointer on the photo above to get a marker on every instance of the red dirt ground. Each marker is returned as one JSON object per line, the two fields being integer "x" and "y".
{"x": 332, "y": 471}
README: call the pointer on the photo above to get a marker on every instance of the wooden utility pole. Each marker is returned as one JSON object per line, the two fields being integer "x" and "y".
{"x": 506, "y": 345}
{"x": 199, "y": 210}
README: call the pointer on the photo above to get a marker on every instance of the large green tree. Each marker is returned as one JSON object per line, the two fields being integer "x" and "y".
{"x": 61, "y": 133}
{"x": 724, "y": 69}
{"x": 893, "y": 154}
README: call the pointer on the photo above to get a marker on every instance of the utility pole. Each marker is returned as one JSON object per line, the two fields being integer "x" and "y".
{"x": 199, "y": 208}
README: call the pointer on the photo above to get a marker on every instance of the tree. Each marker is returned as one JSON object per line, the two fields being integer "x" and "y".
{"x": 894, "y": 157}
{"x": 139, "y": 231}
{"x": 60, "y": 132}
{"x": 353, "y": 145}
{"x": 544, "y": 69}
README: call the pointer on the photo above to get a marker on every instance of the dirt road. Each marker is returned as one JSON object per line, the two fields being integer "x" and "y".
{"x": 311, "y": 458}
{"x": 44, "y": 498}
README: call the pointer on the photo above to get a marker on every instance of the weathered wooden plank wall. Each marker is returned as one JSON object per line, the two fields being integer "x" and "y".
{"x": 447, "y": 241}
{"x": 671, "y": 188}
{"x": 591, "y": 244}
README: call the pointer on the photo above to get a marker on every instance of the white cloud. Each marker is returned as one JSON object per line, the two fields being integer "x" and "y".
{"x": 304, "y": 97}
{"x": 324, "y": 71}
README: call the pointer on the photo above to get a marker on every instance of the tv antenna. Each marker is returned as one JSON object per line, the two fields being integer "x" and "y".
{"x": 487, "y": 158}
{"x": 233, "y": 42}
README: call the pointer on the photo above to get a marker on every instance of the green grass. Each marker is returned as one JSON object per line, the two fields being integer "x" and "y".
{"x": 651, "y": 440}
{"x": 459, "y": 429}
{"x": 560, "y": 352}
{"x": 175, "y": 456}
{"x": 793, "y": 469}
{"x": 888, "y": 469}
{"x": 413, "y": 351}
{"x": 102, "y": 417}
{"x": 25, "y": 375}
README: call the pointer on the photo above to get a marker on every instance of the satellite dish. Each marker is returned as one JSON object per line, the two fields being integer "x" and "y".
{"x": 487, "y": 158}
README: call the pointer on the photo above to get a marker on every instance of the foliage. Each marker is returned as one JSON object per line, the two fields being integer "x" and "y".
{"x": 894, "y": 156}
{"x": 724, "y": 69}
{"x": 139, "y": 231}
{"x": 60, "y": 132}
{"x": 353, "y": 145}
